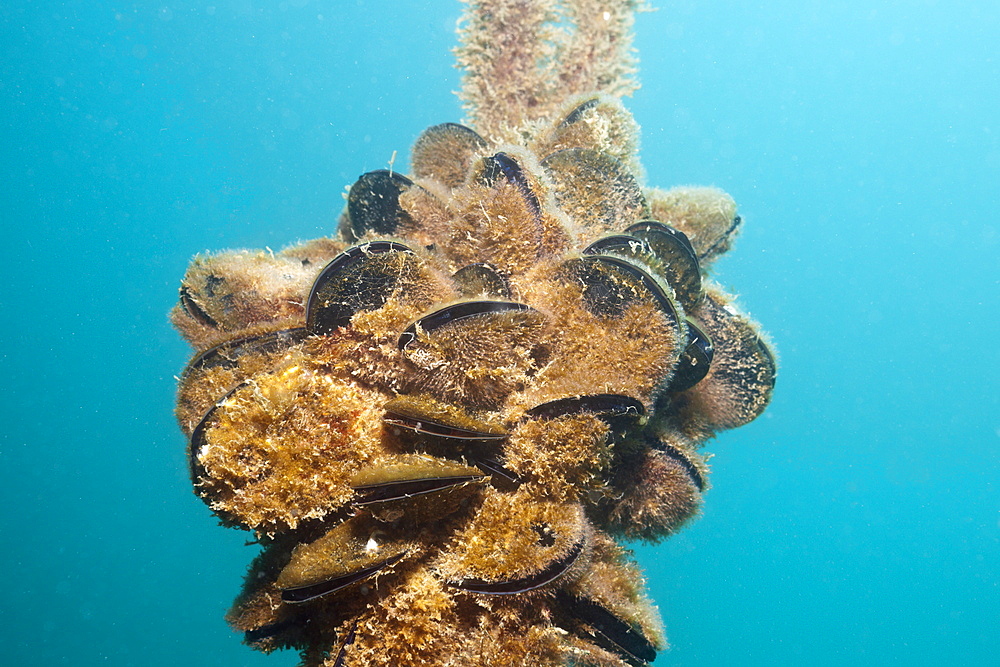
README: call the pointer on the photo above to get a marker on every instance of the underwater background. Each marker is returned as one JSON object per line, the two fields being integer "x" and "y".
{"x": 857, "y": 522}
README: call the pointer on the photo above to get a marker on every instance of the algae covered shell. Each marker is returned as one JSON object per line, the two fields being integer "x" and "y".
{"x": 361, "y": 278}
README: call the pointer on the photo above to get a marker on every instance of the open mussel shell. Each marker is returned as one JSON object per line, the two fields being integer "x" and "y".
{"x": 347, "y": 554}
{"x": 457, "y": 313}
{"x": 618, "y": 411}
{"x": 695, "y": 361}
{"x": 362, "y": 277}
{"x": 446, "y": 152}
{"x": 481, "y": 279}
{"x": 373, "y": 203}
{"x": 594, "y": 188}
{"x": 606, "y": 630}
{"x": 411, "y": 477}
{"x": 612, "y": 284}
{"x": 676, "y": 258}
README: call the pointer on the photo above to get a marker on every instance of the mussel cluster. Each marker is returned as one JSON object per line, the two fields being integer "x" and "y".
{"x": 438, "y": 424}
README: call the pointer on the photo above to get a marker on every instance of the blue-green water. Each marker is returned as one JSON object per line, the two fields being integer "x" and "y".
{"x": 856, "y": 523}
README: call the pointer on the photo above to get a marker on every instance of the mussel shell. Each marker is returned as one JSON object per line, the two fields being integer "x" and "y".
{"x": 594, "y": 188}
{"x": 502, "y": 478}
{"x": 578, "y": 112}
{"x": 481, "y": 279}
{"x": 655, "y": 232}
{"x": 504, "y": 166}
{"x": 362, "y": 277}
{"x": 677, "y": 259}
{"x": 227, "y": 355}
{"x": 620, "y": 244}
{"x": 722, "y": 243}
{"x": 607, "y": 630}
{"x": 197, "y": 440}
{"x": 190, "y": 306}
{"x": 600, "y": 122}
{"x": 373, "y": 203}
{"x": 456, "y": 313}
{"x": 695, "y": 361}
{"x": 405, "y": 489}
{"x": 346, "y": 554}
{"x": 345, "y": 645}
{"x": 611, "y": 284}
{"x": 684, "y": 461}
{"x": 429, "y": 417}
{"x": 409, "y": 477}
{"x": 446, "y": 152}
{"x": 523, "y": 584}
{"x": 618, "y": 411}
{"x": 309, "y": 592}
{"x": 741, "y": 379}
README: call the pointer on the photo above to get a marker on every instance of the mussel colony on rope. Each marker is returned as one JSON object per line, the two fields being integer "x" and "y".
{"x": 438, "y": 424}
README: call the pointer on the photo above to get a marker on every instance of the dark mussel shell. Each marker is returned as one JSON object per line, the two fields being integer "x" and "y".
{"x": 502, "y": 478}
{"x": 227, "y": 355}
{"x": 677, "y": 259}
{"x": 695, "y": 361}
{"x": 344, "y": 645}
{"x": 594, "y": 188}
{"x": 618, "y": 411}
{"x": 446, "y": 152}
{"x": 456, "y": 313}
{"x": 272, "y": 630}
{"x": 523, "y": 584}
{"x": 362, "y": 277}
{"x": 504, "y": 166}
{"x": 373, "y": 203}
{"x": 611, "y": 284}
{"x": 607, "y": 630}
{"x": 481, "y": 279}
{"x": 620, "y": 244}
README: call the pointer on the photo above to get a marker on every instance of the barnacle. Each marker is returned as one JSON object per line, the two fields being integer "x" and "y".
{"x": 438, "y": 423}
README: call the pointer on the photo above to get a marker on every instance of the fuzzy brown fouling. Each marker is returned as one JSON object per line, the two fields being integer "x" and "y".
{"x": 439, "y": 421}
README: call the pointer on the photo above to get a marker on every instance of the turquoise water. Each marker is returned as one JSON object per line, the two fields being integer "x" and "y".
{"x": 856, "y": 523}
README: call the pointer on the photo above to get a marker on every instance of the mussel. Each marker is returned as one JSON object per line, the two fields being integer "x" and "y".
{"x": 373, "y": 203}
{"x": 362, "y": 277}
